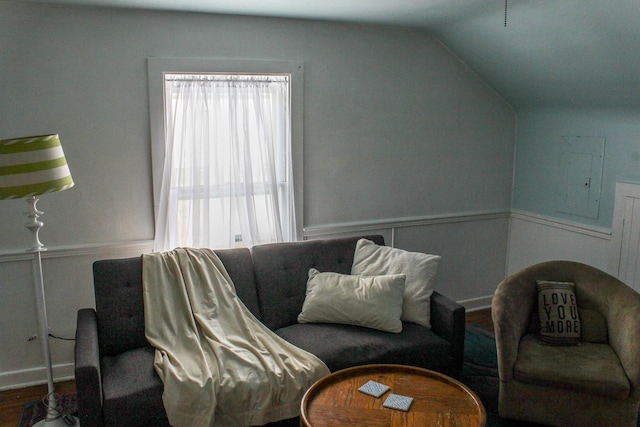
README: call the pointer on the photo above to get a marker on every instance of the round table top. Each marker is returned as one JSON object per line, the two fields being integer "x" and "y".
{"x": 438, "y": 400}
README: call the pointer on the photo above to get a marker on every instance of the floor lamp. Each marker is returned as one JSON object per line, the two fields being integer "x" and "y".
{"x": 30, "y": 167}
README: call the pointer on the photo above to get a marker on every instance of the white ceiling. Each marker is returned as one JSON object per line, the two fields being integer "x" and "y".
{"x": 552, "y": 52}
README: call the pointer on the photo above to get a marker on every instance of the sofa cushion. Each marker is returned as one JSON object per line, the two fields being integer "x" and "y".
{"x": 119, "y": 300}
{"x": 238, "y": 264}
{"x": 119, "y": 304}
{"x": 588, "y": 368}
{"x": 132, "y": 387}
{"x": 343, "y": 346}
{"x": 369, "y": 301}
{"x": 282, "y": 269}
{"x": 421, "y": 269}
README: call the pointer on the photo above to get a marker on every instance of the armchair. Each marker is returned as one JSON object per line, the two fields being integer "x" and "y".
{"x": 593, "y": 383}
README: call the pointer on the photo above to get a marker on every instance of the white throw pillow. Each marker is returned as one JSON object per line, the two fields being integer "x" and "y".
{"x": 372, "y": 302}
{"x": 420, "y": 269}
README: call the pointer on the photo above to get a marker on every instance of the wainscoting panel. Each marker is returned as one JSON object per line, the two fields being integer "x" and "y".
{"x": 68, "y": 282}
{"x": 535, "y": 239}
{"x": 478, "y": 251}
{"x": 473, "y": 248}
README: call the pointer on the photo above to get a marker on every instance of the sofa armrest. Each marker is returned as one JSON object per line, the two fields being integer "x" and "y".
{"x": 448, "y": 321}
{"x": 87, "y": 369}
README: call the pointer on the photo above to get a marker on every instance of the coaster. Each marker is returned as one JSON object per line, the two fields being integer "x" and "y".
{"x": 398, "y": 401}
{"x": 374, "y": 389}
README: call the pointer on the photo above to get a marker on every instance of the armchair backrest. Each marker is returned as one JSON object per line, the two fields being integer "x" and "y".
{"x": 600, "y": 298}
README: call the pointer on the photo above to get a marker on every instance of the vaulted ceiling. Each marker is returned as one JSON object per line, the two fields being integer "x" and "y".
{"x": 583, "y": 53}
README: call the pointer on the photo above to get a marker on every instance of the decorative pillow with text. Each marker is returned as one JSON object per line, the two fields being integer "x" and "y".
{"x": 558, "y": 313}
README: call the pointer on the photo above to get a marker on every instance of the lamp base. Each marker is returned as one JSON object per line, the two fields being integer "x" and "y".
{"x": 58, "y": 422}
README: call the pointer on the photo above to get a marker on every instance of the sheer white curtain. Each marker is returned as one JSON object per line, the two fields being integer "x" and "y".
{"x": 227, "y": 177}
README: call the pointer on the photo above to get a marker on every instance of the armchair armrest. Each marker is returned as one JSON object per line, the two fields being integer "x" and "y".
{"x": 448, "y": 321}
{"x": 622, "y": 311}
{"x": 87, "y": 369}
{"x": 513, "y": 302}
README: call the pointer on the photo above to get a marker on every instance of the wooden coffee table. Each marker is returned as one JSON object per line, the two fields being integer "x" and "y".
{"x": 438, "y": 400}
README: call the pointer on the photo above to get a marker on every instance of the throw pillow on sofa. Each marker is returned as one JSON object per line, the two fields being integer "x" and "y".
{"x": 372, "y": 302}
{"x": 420, "y": 270}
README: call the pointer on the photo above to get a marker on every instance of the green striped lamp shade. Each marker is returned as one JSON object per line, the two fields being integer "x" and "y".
{"x": 32, "y": 166}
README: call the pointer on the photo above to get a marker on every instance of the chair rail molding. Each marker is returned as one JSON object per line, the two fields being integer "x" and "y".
{"x": 534, "y": 238}
{"x": 132, "y": 248}
{"x": 319, "y": 231}
{"x": 600, "y": 233}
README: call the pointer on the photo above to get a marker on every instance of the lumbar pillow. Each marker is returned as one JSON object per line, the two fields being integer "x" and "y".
{"x": 558, "y": 313}
{"x": 372, "y": 302}
{"x": 420, "y": 269}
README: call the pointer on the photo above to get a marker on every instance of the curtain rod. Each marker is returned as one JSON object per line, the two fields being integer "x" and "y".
{"x": 225, "y": 77}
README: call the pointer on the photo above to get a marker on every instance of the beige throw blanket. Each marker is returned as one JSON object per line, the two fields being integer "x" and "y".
{"x": 220, "y": 365}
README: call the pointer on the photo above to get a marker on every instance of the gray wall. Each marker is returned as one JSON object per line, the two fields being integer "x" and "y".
{"x": 399, "y": 135}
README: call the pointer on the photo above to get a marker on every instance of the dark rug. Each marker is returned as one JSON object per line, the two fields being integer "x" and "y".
{"x": 480, "y": 374}
{"x": 32, "y": 412}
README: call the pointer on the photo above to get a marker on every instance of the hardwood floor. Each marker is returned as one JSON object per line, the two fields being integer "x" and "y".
{"x": 11, "y": 401}
{"x": 482, "y": 318}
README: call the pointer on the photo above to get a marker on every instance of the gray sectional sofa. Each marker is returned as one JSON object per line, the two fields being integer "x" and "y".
{"x": 115, "y": 378}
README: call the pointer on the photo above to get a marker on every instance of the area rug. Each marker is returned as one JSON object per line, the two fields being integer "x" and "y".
{"x": 480, "y": 374}
{"x": 32, "y": 412}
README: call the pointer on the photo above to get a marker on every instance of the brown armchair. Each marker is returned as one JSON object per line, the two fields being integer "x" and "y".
{"x": 595, "y": 383}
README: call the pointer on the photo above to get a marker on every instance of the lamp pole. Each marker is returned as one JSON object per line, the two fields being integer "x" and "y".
{"x": 34, "y": 226}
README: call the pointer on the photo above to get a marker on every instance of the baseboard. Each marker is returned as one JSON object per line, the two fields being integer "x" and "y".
{"x": 35, "y": 376}
{"x": 475, "y": 304}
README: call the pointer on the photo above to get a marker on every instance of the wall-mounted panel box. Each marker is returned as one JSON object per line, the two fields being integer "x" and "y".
{"x": 581, "y": 165}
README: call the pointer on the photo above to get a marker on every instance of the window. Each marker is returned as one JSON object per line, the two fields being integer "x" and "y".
{"x": 227, "y": 150}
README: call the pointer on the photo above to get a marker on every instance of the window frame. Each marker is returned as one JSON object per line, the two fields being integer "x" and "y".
{"x": 158, "y": 67}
